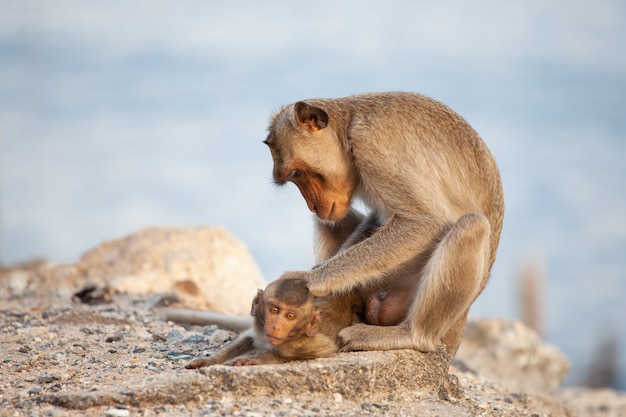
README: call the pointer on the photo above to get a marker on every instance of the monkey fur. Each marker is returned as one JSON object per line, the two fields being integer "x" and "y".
{"x": 289, "y": 324}
{"x": 435, "y": 208}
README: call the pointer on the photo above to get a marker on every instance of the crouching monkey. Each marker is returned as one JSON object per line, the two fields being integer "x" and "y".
{"x": 289, "y": 324}
{"x": 435, "y": 202}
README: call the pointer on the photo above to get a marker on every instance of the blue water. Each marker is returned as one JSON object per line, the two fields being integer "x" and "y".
{"x": 117, "y": 116}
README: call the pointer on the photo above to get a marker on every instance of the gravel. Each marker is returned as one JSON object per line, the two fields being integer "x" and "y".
{"x": 64, "y": 357}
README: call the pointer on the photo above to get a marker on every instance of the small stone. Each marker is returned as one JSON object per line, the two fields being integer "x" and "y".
{"x": 175, "y": 356}
{"x": 141, "y": 333}
{"x": 162, "y": 300}
{"x": 47, "y": 379}
{"x": 55, "y": 413}
{"x": 117, "y": 412}
{"x": 219, "y": 337}
{"x": 158, "y": 338}
{"x": 197, "y": 338}
{"x": 337, "y": 397}
{"x": 114, "y": 338}
{"x": 443, "y": 395}
{"x": 175, "y": 336}
{"x": 78, "y": 350}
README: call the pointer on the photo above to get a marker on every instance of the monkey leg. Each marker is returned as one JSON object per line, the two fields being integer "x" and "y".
{"x": 243, "y": 361}
{"x": 242, "y": 345}
{"x": 263, "y": 357}
{"x": 451, "y": 280}
{"x": 452, "y": 338}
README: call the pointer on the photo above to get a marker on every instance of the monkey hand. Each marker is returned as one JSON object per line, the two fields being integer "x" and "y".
{"x": 199, "y": 363}
{"x": 307, "y": 276}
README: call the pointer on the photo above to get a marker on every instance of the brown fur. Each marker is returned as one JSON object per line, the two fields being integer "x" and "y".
{"x": 435, "y": 200}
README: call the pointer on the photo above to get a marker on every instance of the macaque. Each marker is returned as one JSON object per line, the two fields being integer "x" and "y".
{"x": 424, "y": 249}
{"x": 289, "y": 324}
{"x": 385, "y": 306}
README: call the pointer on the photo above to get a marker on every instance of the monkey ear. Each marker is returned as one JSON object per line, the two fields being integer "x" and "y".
{"x": 311, "y": 117}
{"x": 255, "y": 301}
{"x": 314, "y": 325}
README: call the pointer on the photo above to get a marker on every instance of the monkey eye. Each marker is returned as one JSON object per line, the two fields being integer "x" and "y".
{"x": 290, "y": 316}
{"x": 293, "y": 174}
{"x": 273, "y": 310}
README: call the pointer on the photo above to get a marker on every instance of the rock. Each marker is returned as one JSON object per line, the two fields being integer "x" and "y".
{"x": 401, "y": 382}
{"x": 78, "y": 350}
{"x": 117, "y": 412}
{"x": 205, "y": 267}
{"x": 349, "y": 376}
{"x": 141, "y": 370}
{"x": 596, "y": 403}
{"x": 510, "y": 352}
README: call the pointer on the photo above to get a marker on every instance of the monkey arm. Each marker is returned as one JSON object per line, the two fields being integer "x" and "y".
{"x": 330, "y": 236}
{"x": 394, "y": 245}
{"x": 244, "y": 344}
{"x": 264, "y": 357}
{"x": 365, "y": 229}
{"x": 450, "y": 281}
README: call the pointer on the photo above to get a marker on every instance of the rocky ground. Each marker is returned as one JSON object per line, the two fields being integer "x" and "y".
{"x": 105, "y": 352}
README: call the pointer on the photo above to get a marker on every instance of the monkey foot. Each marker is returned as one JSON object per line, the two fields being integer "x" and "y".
{"x": 365, "y": 337}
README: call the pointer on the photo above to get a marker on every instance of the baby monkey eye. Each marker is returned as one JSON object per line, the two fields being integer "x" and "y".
{"x": 290, "y": 316}
{"x": 273, "y": 310}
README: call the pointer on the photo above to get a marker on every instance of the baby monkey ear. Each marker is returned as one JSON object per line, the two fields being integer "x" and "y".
{"x": 314, "y": 325}
{"x": 255, "y": 302}
{"x": 310, "y": 117}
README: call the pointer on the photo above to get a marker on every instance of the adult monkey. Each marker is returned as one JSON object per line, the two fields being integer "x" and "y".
{"x": 435, "y": 214}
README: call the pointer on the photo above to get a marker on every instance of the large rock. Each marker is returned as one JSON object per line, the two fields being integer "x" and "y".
{"x": 510, "y": 352}
{"x": 66, "y": 358}
{"x": 206, "y": 266}
{"x": 352, "y": 376}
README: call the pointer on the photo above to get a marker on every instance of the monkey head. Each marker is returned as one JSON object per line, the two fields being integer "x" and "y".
{"x": 307, "y": 151}
{"x": 285, "y": 310}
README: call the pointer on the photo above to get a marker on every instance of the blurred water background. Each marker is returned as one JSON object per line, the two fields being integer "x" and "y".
{"x": 117, "y": 115}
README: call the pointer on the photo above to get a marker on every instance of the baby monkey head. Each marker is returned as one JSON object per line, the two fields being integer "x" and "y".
{"x": 286, "y": 310}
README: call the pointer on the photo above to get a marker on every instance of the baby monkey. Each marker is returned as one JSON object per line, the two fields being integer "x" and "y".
{"x": 289, "y": 324}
